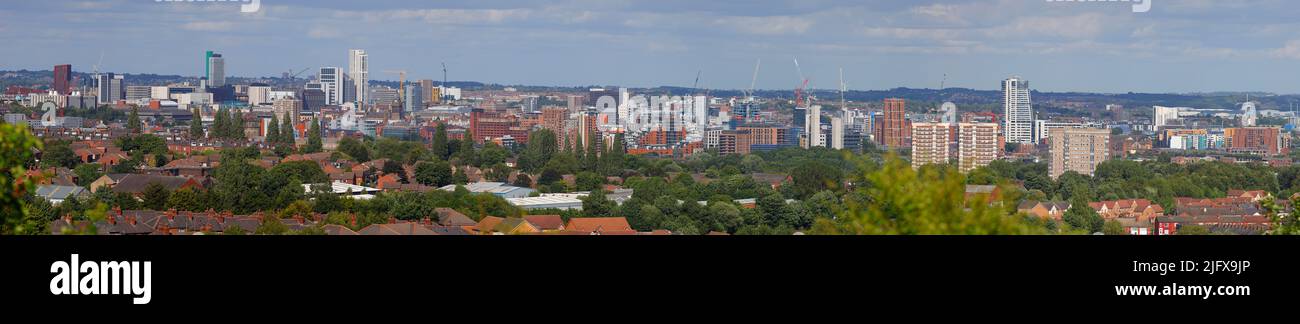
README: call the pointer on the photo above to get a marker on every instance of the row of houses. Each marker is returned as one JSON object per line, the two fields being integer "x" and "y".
{"x": 1238, "y": 213}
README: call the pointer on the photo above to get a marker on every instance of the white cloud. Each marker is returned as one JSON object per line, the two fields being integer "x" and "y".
{"x": 319, "y": 32}
{"x": 778, "y": 25}
{"x": 439, "y": 16}
{"x": 911, "y": 33}
{"x": 1289, "y": 51}
{"x": 1087, "y": 25}
{"x": 208, "y": 26}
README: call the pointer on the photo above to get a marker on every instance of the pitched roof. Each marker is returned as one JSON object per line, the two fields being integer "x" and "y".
{"x": 334, "y": 229}
{"x": 599, "y": 225}
{"x": 405, "y": 228}
{"x": 487, "y": 224}
{"x": 451, "y": 217}
{"x": 546, "y": 222}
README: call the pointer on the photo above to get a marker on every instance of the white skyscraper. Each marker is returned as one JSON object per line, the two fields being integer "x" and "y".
{"x": 1164, "y": 115}
{"x": 216, "y": 71}
{"x": 111, "y": 88}
{"x": 813, "y": 123}
{"x": 837, "y": 133}
{"x": 1018, "y": 118}
{"x": 330, "y": 83}
{"x": 359, "y": 73}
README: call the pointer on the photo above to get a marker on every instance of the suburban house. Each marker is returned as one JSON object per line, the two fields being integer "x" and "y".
{"x": 599, "y": 226}
{"x": 1140, "y": 209}
{"x": 1045, "y": 209}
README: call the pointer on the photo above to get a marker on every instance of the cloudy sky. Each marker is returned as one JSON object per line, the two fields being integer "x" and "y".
{"x": 1179, "y": 46}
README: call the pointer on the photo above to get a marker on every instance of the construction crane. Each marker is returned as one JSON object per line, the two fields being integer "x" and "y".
{"x": 442, "y": 91}
{"x": 402, "y": 84}
{"x": 750, "y": 95}
{"x": 799, "y": 92}
{"x": 696, "y": 86}
{"x": 294, "y": 76}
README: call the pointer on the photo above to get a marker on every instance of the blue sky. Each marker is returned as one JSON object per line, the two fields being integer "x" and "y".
{"x": 1179, "y": 46}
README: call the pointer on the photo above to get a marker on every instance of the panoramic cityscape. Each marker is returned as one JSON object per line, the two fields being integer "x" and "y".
{"x": 356, "y": 139}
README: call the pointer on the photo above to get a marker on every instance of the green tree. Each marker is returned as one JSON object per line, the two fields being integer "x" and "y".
{"x": 468, "y": 155}
{"x": 288, "y": 134}
{"x": 814, "y": 176}
{"x": 184, "y": 199}
{"x": 236, "y": 126}
{"x": 271, "y": 225}
{"x": 434, "y": 173}
{"x": 439, "y": 146}
{"x": 588, "y": 181}
{"x": 313, "y": 137}
{"x": 273, "y": 131}
{"x": 16, "y": 144}
{"x": 930, "y": 201}
{"x": 87, "y": 173}
{"x": 541, "y": 147}
{"x": 59, "y": 154}
{"x": 595, "y": 204}
{"x": 155, "y": 196}
{"x": 1083, "y": 217}
{"x": 133, "y": 121}
{"x": 219, "y": 124}
{"x": 196, "y": 125}
{"x": 355, "y": 149}
{"x": 1113, "y": 227}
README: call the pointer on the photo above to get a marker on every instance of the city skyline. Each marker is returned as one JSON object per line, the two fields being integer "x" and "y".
{"x": 1093, "y": 47}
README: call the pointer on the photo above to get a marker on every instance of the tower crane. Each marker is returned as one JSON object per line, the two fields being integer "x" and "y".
{"x": 799, "y": 92}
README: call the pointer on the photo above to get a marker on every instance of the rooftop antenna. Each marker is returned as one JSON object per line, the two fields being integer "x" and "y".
{"x": 754, "y": 80}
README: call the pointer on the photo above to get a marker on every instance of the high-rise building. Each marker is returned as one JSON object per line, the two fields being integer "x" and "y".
{"x": 1255, "y": 140}
{"x": 576, "y": 103}
{"x": 138, "y": 92}
{"x": 111, "y": 88}
{"x": 359, "y": 73}
{"x": 331, "y": 83}
{"x": 553, "y": 119}
{"x": 814, "y": 127}
{"x": 216, "y": 70}
{"x": 486, "y": 125}
{"x": 977, "y": 145}
{"x": 837, "y": 133}
{"x": 1164, "y": 116}
{"x": 1078, "y": 149}
{"x": 63, "y": 79}
{"x": 426, "y": 87}
{"x": 313, "y": 98}
{"x": 891, "y": 129}
{"x": 929, "y": 144}
{"x": 1018, "y": 118}
{"x": 259, "y": 94}
{"x": 414, "y": 98}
